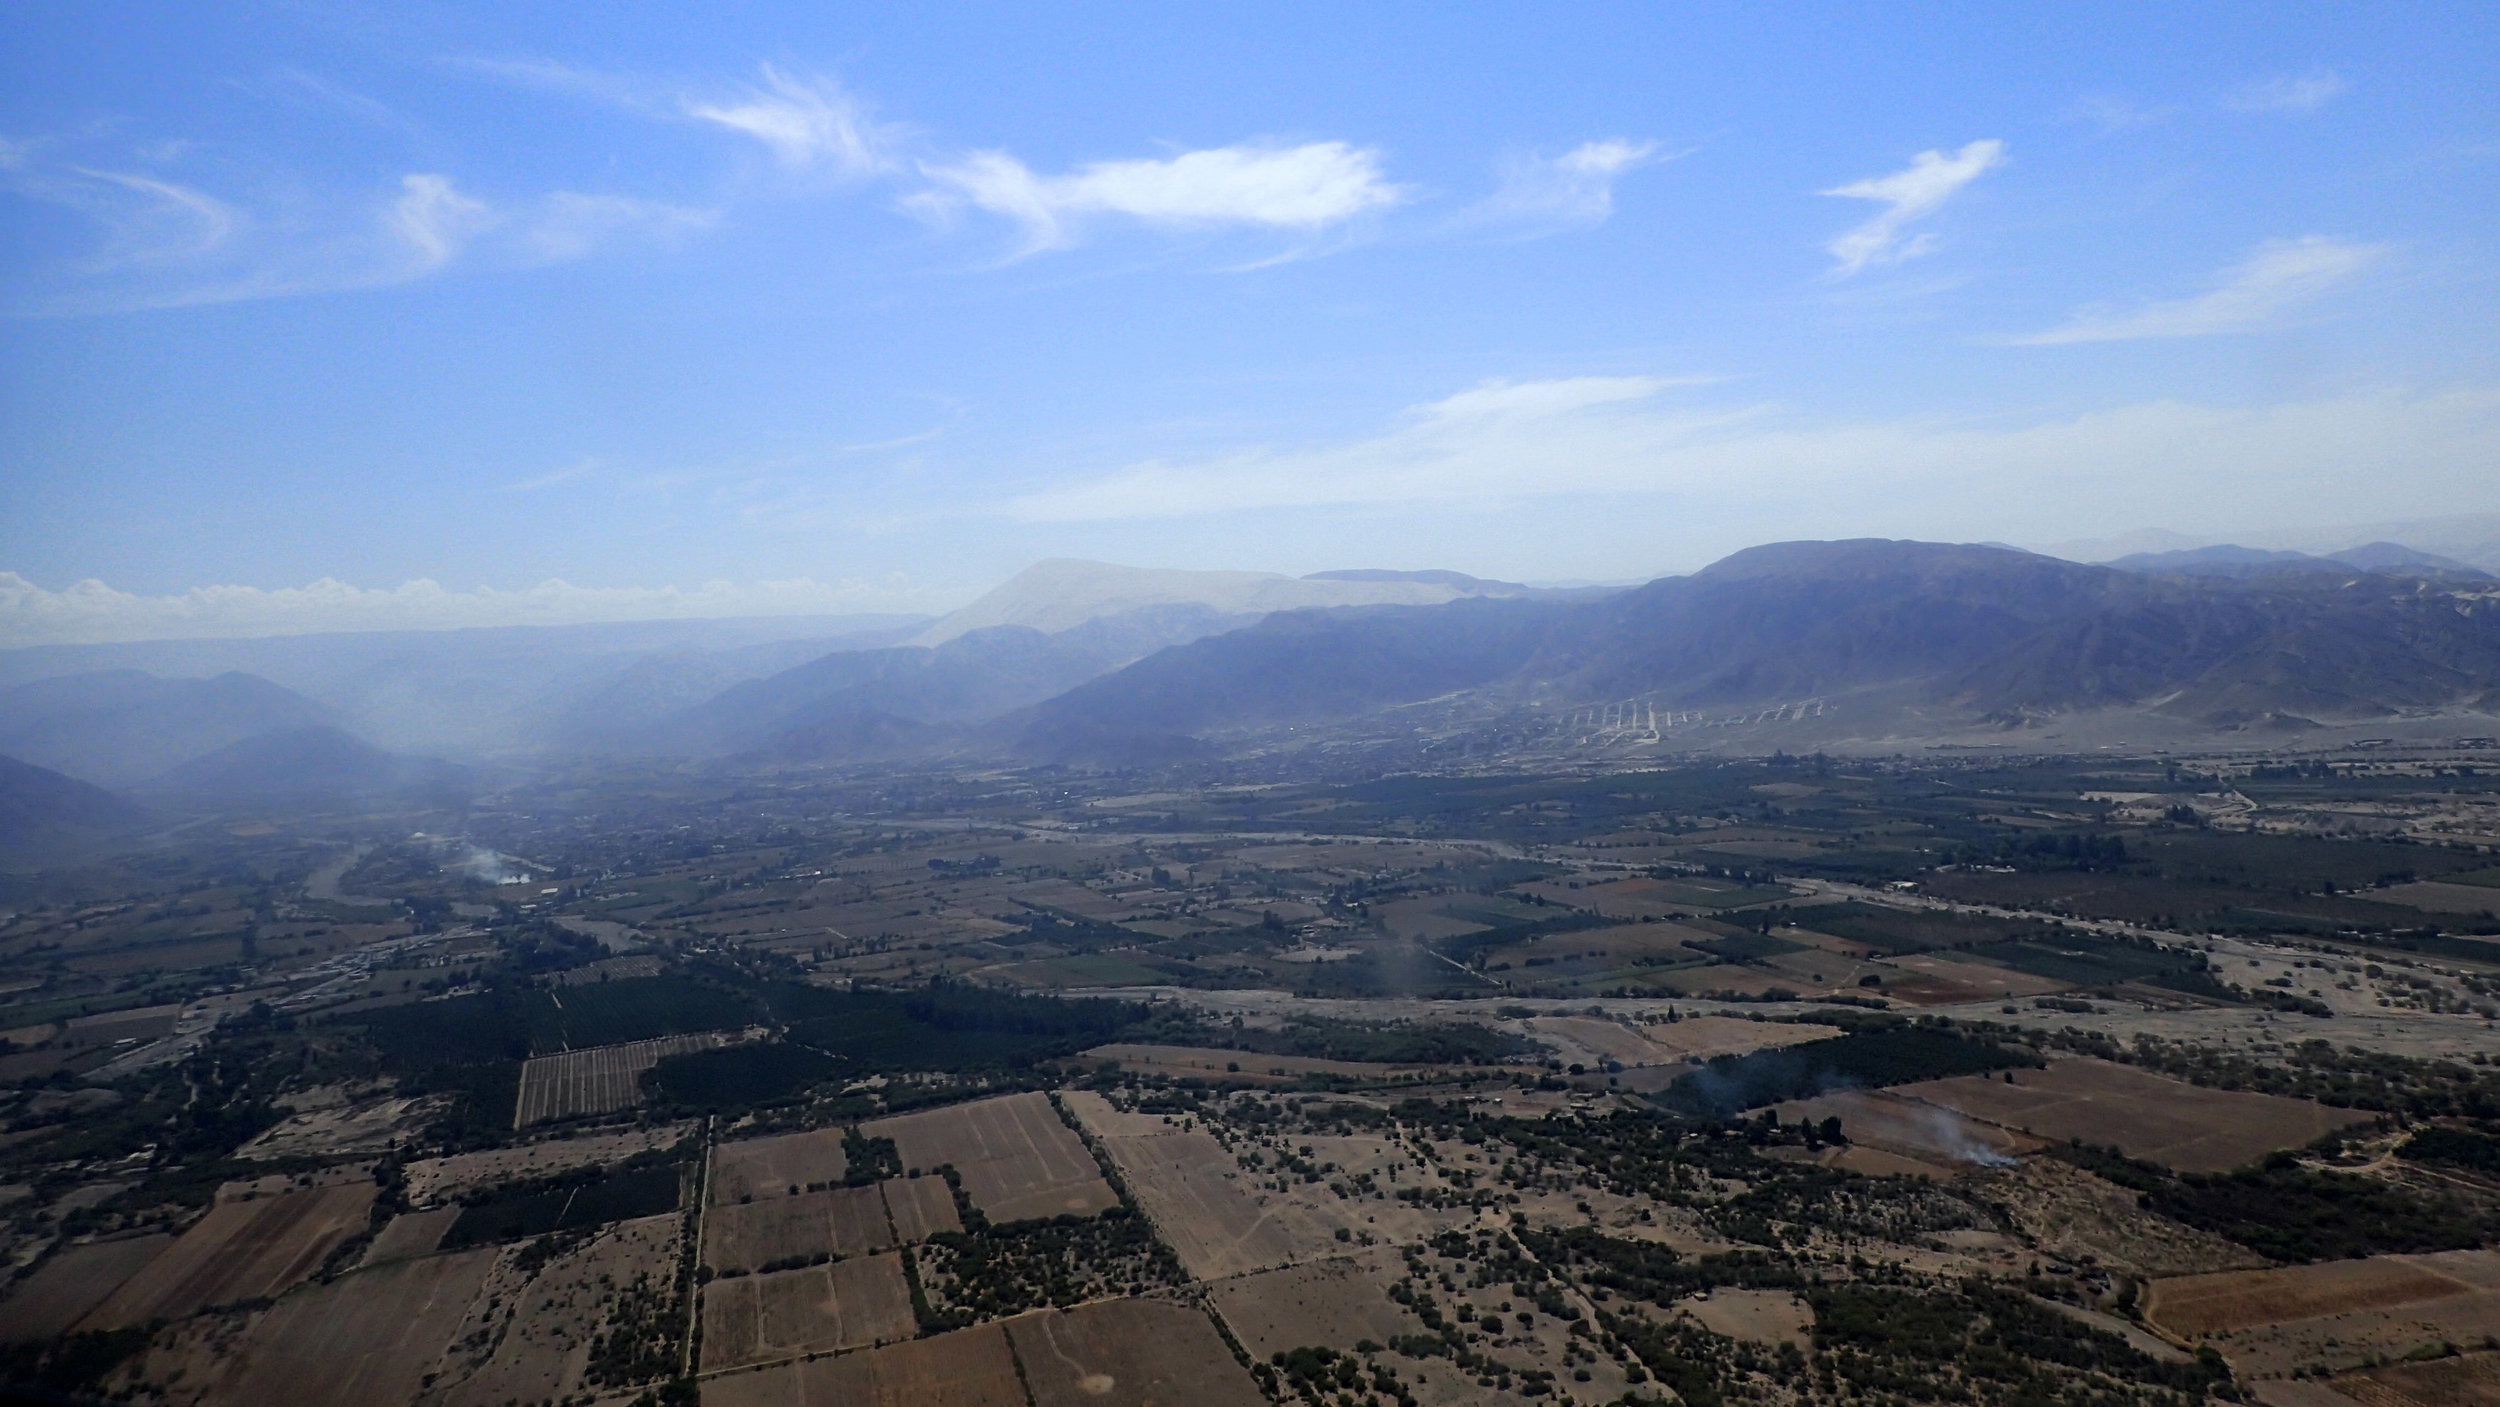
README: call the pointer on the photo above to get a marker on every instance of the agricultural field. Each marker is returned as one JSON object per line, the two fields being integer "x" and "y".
{"x": 246, "y": 1249}
{"x": 1671, "y": 1042}
{"x": 2336, "y": 1316}
{"x": 597, "y": 1081}
{"x": 967, "y": 1368}
{"x": 1016, "y": 1157}
{"x": 2143, "y": 1115}
{"x": 1129, "y": 1351}
{"x": 1242, "y": 1067}
{"x": 839, "y": 1221}
{"x": 1782, "y": 1083}
{"x": 919, "y": 1208}
{"x": 73, "y": 1281}
{"x": 751, "y": 1319}
{"x": 433, "y": 1180}
{"x": 411, "y": 1234}
{"x": 370, "y": 1337}
{"x": 1335, "y": 1303}
{"x": 776, "y": 1166}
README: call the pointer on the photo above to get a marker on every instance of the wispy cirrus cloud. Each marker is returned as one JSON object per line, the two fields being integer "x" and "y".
{"x": 1543, "y": 195}
{"x": 1305, "y": 188}
{"x": 1517, "y": 443}
{"x": 1910, "y": 194}
{"x": 2278, "y": 276}
{"x": 807, "y": 123}
{"x": 2303, "y": 93}
{"x": 434, "y": 220}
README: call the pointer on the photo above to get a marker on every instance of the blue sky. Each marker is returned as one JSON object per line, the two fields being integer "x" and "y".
{"x": 653, "y": 310}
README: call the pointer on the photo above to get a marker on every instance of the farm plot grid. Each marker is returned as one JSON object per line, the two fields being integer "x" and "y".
{"x": 837, "y": 1221}
{"x": 782, "y": 1164}
{"x": 597, "y": 1081}
{"x": 1016, "y": 1158}
{"x": 750, "y": 1319}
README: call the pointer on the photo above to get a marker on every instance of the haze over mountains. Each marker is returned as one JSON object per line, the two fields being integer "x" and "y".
{"x": 1870, "y": 643}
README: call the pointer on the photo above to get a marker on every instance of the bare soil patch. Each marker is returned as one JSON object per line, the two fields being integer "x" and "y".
{"x": 240, "y": 1251}
{"x": 920, "y": 1207}
{"x": 2438, "y": 898}
{"x": 371, "y": 1126}
{"x": 1930, "y": 979}
{"x": 1763, "y": 1316}
{"x": 1332, "y": 1302}
{"x": 1242, "y": 1066}
{"x": 2197, "y": 1305}
{"x": 365, "y": 1338}
{"x": 411, "y": 1234}
{"x": 2073, "y": 1214}
{"x": 538, "y": 1336}
{"x": 1148, "y": 1353}
{"x": 1700, "y": 1037}
{"x": 778, "y": 1166}
{"x": 1191, "y": 1189}
{"x": 752, "y": 1319}
{"x": 437, "y": 1179}
{"x": 967, "y": 1368}
{"x": 839, "y": 1221}
{"x": 2144, "y": 1115}
{"x": 2469, "y": 1380}
{"x": 1928, "y": 1132}
{"x": 72, "y": 1282}
{"x": 1017, "y": 1159}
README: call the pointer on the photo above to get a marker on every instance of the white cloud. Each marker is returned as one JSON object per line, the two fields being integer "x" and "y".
{"x": 2280, "y": 274}
{"x": 570, "y": 225}
{"x": 434, "y": 220}
{"x": 1516, "y": 443}
{"x": 145, "y": 221}
{"x": 91, "y": 612}
{"x": 2306, "y": 93}
{"x": 1577, "y": 189}
{"x": 807, "y": 123}
{"x": 1929, "y": 181}
{"x": 1307, "y": 187}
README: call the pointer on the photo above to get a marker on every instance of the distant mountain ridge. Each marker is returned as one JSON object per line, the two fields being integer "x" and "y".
{"x": 46, "y": 816}
{"x": 117, "y": 727}
{"x": 1064, "y": 593}
{"x": 1977, "y": 632}
{"x": 319, "y": 767}
{"x": 2226, "y": 559}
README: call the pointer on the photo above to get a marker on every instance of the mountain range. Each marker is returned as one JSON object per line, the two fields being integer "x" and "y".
{"x": 1886, "y": 640}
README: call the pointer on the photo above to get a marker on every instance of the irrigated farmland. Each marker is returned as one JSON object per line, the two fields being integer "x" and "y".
{"x": 599, "y": 1080}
